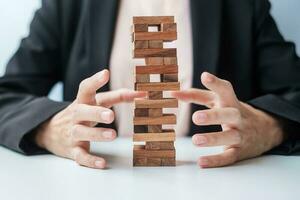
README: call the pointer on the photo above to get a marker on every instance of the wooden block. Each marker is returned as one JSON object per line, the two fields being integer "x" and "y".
{"x": 154, "y": 128}
{"x": 153, "y": 162}
{"x": 140, "y": 28}
{"x": 170, "y": 86}
{"x": 155, "y": 137}
{"x": 170, "y": 60}
{"x": 165, "y": 119}
{"x": 153, "y": 20}
{"x": 144, "y": 53}
{"x": 154, "y": 61}
{"x": 142, "y": 78}
{"x": 141, "y": 44}
{"x": 156, "y": 69}
{"x": 155, "y": 112}
{"x": 140, "y": 129}
{"x": 169, "y": 77}
{"x": 163, "y": 36}
{"x": 168, "y": 161}
{"x": 169, "y": 27}
{"x": 141, "y": 112}
{"x": 156, "y": 44}
{"x": 139, "y": 151}
{"x": 155, "y": 95}
{"x": 139, "y": 161}
{"x": 156, "y": 103}
{"x": 160, "y": 145}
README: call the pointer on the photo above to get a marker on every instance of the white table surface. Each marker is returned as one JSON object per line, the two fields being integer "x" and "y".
{"x": 50, "y": 177}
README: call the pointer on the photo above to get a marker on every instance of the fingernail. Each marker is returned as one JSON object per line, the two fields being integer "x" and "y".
{"x": 208, "y": 77}
{"x": 200, "y": 140}
{"x": 203, "y": 162}
{"x": 107, "y": 134}
{"x": 106, "y": 115}
{"x": 201, "y": 117}
{"x": 99, "y": 163}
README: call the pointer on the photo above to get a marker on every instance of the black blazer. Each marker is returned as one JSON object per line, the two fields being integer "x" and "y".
{"x": 70, "y": 40}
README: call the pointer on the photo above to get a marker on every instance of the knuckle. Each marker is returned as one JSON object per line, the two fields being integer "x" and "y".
{"x": 75, "y": 113}
{"x": 237, "y": 136}
{"x": 237, "y": 113}
{"x": 75, "y": 130}
{"x": 83, "y": 84}
{"x": 228, "y": 84}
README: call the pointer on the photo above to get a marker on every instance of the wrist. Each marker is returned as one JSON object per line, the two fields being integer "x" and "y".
{"x": 39, "y": 137}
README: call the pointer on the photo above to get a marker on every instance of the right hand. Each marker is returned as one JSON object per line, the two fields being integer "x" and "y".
{"x": 69, "y": 133}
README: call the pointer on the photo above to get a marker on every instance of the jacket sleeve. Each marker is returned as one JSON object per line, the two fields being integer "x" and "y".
{"x": 29, "y": 76}
{"x": 278, "y": 76}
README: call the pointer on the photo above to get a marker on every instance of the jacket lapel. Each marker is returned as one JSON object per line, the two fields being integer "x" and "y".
{"x": 206, "y": 27}
{"x": 101, "y": 26}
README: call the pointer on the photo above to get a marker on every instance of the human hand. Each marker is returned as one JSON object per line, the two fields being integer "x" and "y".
{"x": 246, "y": 131}
{"x": 69, "y": 133}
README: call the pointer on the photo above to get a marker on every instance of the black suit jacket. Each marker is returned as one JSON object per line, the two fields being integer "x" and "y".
{"x": 70, "y": 40}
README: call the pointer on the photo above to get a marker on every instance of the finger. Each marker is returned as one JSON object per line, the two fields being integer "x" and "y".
{"x": 197, "y": 96}
{"x": 229, "y": 137}
{"x": 82, "y": 157}
{"x": 222, "y": 87}
{"x": 88, "y": 87}
{"x": 88, "y": 113}
{"x": 83, "y": 133}
{"x": 228, "y": 157}
{"x": 108, "y": 99}
{"x": 217, "y": 116}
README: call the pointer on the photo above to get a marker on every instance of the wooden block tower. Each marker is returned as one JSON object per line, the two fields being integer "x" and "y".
{"x": 149, "y": 35}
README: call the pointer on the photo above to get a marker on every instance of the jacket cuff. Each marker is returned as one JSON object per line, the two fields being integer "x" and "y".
{"x": 42, "y": 110}
{"x": 289, "y": 116}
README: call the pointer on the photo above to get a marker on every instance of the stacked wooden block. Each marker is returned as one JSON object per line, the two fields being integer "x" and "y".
{"x": 158, "y": 144}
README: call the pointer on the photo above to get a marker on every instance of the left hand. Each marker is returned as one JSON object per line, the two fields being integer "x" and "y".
{"x": 246, "y": 131}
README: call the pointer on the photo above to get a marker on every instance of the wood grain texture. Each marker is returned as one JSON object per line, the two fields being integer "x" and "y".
{"x": 153, "y": 20}
{"x": 170, "y": 86}
{"x": 173, "y": 77}
{"x": 155, "y": 112}
{"x": 142, "y": 78}
{"x": 141, "y": 112}
{"x": 155, "y": 137}
{"x": 163, "y": 36}
{"x": 160, "y": 145}
{"x": 140, "y": 28}
{"x": 140, "y": 128}
{"x": 154, "y": 128}
{"x": 139, "y": 151}
{"x": 154, "y": 162}
{"x": 156, "y": 69}
{"x": 155, "y": 44}
{"x": 165, "y": 119}
{"x": 139, "y": 162}
{"x": 141, "y": 44}
{"x": 156, "y": 103}
{"x": 168, "y": 161}
{"x": 155, "y": 95}
{"x": 154, "y": 61}
{"x": 170, "y": 60}
{"x": 144, "y": 53}
{"x": 169, "y": 27}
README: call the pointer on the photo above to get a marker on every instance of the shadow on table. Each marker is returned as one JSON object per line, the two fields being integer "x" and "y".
{"x": 125, "y": 162}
